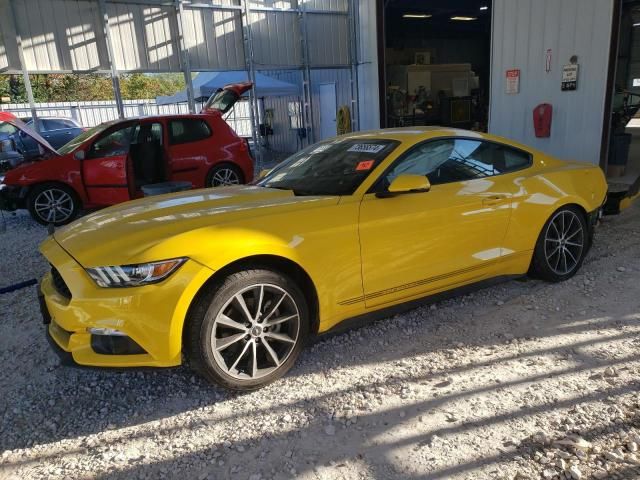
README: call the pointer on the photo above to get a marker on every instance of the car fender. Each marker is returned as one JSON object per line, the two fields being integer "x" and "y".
{"x": 542, "y": 194}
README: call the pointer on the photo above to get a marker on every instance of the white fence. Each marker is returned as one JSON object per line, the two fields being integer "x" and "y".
{"x": 90, "y": 114}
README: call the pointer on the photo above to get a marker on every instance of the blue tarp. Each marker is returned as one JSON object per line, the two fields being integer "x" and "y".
{"x": 207, "y": 83}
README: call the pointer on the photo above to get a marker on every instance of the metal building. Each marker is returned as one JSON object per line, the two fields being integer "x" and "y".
{"x": 309, "y": 42}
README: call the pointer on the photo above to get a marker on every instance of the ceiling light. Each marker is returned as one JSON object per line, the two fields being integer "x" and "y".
{"x": 636, "y": 24}
{"x": 464, "y": 19}
{"x": 416, "y": 15}
{"x": 484, "y": 7}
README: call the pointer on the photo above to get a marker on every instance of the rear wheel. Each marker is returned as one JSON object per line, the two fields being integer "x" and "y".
{"x": 562, "y": 245}
{"x": 249, "y": 330}
{"x": 53, "y": 203}
{"x": 224, "y": 175}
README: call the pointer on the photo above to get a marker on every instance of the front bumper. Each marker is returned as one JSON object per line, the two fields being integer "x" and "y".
{"x": 152, "y": 317}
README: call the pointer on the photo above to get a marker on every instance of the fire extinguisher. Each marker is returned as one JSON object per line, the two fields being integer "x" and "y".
{"x": 542, "y": 116}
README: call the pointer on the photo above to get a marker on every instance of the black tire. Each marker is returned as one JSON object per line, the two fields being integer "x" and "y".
{"x": 224, "y": 174}
{"x": 203, "y": 322}
{"x": 63, "y": 204}
{"x": 565, "y": 263}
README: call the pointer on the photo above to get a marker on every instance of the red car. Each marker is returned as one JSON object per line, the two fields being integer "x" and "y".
{"x": 109, "y": 164}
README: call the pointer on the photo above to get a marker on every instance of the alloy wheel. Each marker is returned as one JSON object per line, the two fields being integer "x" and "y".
{"x": 224, "y": 177}
{"x": 255, "y": 331}
{"x": 54, "y": 205}
{"x": 564, "y": 242}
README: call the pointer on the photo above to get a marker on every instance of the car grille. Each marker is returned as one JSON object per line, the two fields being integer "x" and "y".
{"x": 59, "y": 283}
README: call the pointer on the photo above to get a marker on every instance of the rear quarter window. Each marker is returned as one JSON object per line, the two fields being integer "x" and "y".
{"x": 188, "y": 130}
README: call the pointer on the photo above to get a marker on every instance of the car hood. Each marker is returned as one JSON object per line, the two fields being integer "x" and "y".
{"x": 126, "y": 233}
{"x": 6, "y": 117}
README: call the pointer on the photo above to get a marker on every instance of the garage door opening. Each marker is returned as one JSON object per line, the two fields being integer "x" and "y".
{"x": 436, "y": 68}
{"x": 623, "y": 148}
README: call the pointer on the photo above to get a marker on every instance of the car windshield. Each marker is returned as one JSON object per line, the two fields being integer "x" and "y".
{"x": 334, "y": 167}
{"x": 83, "y": 137}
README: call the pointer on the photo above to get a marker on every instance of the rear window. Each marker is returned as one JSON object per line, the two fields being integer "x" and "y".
{"x": 187, "y": 130}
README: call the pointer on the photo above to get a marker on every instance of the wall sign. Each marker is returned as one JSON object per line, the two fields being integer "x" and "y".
{"x": 570, "y": 77}
{"x": 513, "y": 81}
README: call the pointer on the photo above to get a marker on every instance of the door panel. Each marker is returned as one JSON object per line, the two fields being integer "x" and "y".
{"x": 105, "y": 167}
{"x": 328, "y": 107}
{"x": 189, "y": 147}
{"x": 415, "y": 243}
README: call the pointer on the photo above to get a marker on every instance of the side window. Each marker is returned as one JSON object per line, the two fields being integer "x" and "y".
{"x": 458, "y": 160}
{"x": 515, "y": 159}
{"x": 188, "y": 130}
{"x": 114, "y": 143}
{"x": 156, "y": 133}
{"x": 148, "y": 133}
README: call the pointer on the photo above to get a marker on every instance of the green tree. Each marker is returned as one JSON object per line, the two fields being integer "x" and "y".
{"x": 89, "y": 87}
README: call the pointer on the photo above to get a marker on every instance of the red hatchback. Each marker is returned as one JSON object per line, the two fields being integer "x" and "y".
{"x": 110, "y": 163}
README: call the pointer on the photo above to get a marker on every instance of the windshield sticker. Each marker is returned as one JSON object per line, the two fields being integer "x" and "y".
{"x": 366, "y": 148}
{"x": 366, "y": 165}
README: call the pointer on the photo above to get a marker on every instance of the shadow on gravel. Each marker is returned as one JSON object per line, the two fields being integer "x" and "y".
{"x": 326, "y": 447}
{"x": 65, "y": 406}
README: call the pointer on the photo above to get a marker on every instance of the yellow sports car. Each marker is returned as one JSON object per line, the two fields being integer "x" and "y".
{"x": 235, "y": 280}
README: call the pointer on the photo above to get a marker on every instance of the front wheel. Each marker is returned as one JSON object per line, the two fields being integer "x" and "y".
{"x": 53, "y": 203}
{"x": 249, "y": 330}
{"x": 224, "y": 175}
{"x": 562, "y": 246}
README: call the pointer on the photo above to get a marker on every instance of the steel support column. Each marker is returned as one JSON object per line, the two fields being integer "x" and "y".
{"x": 184, "y": 56}
{"x": 250, "y": 64}
{"x": 353, "y": 53}
{"x": 23, "y": 67}
{"x": 115, "y": 76}
{"x": 307, "y": 100}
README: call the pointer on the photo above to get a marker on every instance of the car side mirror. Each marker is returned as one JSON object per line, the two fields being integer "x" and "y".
{"x": 79, "y": 155}
{"x": 264, "y": 173}
{"x": 407, "y": 183}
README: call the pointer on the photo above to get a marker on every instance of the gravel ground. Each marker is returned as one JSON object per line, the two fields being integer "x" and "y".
{"x": 521, "y": 380}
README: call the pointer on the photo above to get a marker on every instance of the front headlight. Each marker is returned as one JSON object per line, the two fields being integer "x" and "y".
{"x": 134, "y": 275}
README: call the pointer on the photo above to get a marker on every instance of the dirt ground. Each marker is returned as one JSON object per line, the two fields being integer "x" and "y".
{"x": 521, "y": 380}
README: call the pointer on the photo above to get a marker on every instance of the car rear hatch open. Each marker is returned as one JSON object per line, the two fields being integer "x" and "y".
{"x": 224, "y": 100}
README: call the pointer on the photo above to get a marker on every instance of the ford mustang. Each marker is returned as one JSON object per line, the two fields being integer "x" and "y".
{"x": 234, "y": 280}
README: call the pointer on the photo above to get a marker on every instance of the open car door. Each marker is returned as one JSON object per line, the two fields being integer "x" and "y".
{"x": 106, "y": 166}
{"x": 224, "y": 100}
{"x": 11, "y": 131}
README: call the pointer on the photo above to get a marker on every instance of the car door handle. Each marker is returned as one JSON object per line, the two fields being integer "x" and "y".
{"x": 494, "y": 200}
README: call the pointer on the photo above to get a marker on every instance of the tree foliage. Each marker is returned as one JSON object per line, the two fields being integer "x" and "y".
{"x": 89, "y": 87}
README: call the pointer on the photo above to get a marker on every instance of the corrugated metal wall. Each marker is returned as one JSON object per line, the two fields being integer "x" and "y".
{"x": 523, "y": 31}
{"x": 284, "y": 138}
{"x": 67, "y": 35}
{"x": 214, "y": 39}
{"x": 144, "y": 38}
{"x": 341, "y": 77}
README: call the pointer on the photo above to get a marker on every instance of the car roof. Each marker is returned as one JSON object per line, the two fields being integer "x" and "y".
{"x": 412, "y": 134}
{"x": 421, "y": 133}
